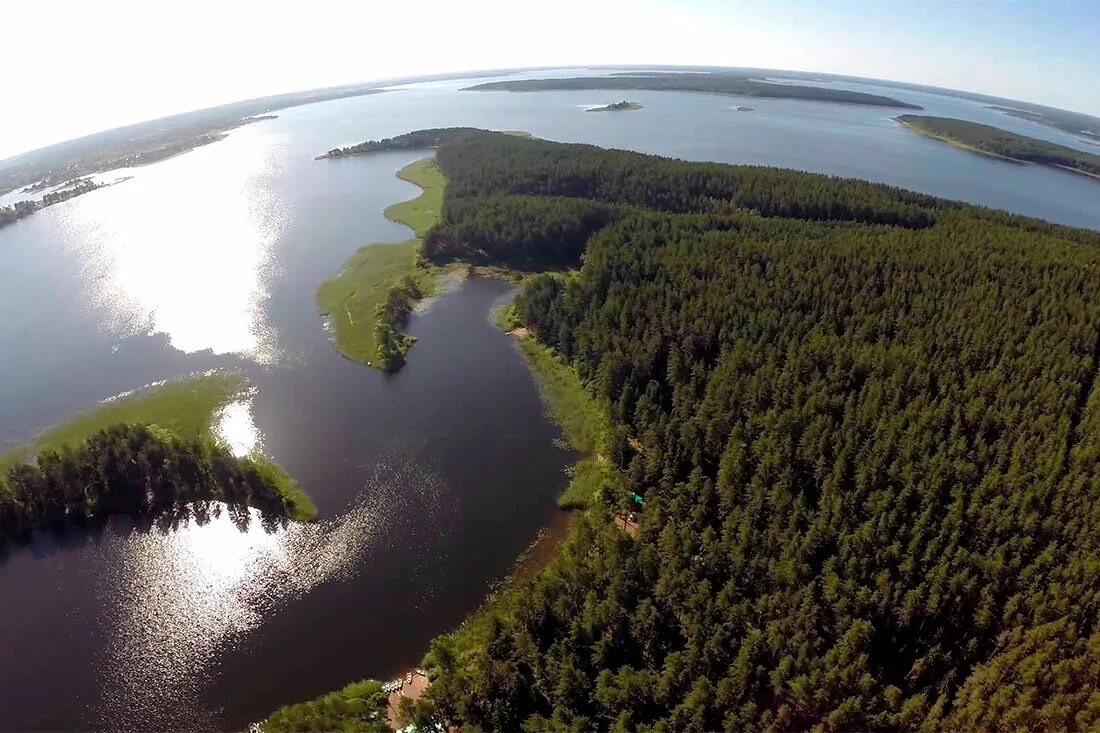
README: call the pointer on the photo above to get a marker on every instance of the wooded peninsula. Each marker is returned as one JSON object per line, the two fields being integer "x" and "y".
{"x": 711, "y": 83}
{"x": 860, "y": 427}
{"x": 20, "y": 209}
{"x": 1003, "y": 144}
{"x": 148, "y": 454}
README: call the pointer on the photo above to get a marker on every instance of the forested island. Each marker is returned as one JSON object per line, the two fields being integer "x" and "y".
{"x": 20, "y": 209}
{"x": 711, "y": 83}
{"x": 151, "y": 454}
{"x": 622, "y": 106}
{"x": 864, "y": 428}
{"x": 1004, "y": 144}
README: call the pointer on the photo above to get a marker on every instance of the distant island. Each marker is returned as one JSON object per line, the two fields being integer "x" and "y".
{"x": 994, "y": 141}
{"x": 616, "y": 107}
{"x": 72, "y": 189}
{"x": 1071, "y": 122}
{"x": 710, "y": 83}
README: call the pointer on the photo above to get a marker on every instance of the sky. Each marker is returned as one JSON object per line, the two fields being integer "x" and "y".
{"x": 74, "y": 67}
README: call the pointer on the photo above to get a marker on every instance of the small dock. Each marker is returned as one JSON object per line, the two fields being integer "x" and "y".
{"x": 411, "y": 685}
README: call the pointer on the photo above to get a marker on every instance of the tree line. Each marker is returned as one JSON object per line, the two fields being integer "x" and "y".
{"x": 136, "y": 470}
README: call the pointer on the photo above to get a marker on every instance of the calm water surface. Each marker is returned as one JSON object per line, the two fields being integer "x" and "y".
{"x": 429, "y": 482}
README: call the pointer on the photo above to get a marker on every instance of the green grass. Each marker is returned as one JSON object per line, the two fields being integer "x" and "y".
{"x": 586, "y": 477}
{"x": 300, "y": 507}
{"x": 584, "y": 421}
{"x": 422, "y": 212}
{"x": 186, "y": 407}
{"x": 350, "y": 300}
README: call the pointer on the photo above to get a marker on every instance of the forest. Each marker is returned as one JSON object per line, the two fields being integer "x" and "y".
{"x": 710, "y": 83}
{"x": 865, "y": 427}
{"x": 138, "y": 470}
{"x": 995, "y": 141}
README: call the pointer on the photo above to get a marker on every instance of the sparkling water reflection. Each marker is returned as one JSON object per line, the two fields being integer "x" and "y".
{"x": 235, "y": 426}
{"x": 203, "y": 279}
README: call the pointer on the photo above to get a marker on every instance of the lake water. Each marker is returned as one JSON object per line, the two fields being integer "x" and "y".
{"x": 429, "y": 482}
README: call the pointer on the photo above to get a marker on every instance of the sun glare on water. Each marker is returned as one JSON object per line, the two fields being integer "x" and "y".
{"x": 201, "y": 277}
{"x": 234, "y": 425}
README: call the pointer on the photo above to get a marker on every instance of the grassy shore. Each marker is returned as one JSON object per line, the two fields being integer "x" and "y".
{"x": 353, "y": 301}
{"x": 584, "y": 422}
{"x": 186, "y": 407}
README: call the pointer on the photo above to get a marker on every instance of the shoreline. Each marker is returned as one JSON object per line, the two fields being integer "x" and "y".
{"x": 989, "y": 154}
{"x": 383, "y": 282}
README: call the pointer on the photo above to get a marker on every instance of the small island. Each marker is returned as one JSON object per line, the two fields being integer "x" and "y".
{"x": 998, "y": 143}
{"x": 622, "y": 106}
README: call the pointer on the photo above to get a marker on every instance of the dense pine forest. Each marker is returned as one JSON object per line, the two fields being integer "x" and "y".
{"x": 139, "y": 471}
{"x": 866, "y": 428}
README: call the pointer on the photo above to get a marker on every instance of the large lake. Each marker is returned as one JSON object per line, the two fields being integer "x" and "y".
{"x": 429, "y": 482}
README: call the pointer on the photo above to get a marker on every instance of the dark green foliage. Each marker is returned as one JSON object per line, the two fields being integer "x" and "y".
{"x": 711, "y": 83}
{"x": 486, "y": 163}
{"x": 390, "y": 316}
{"x": 135, "y": 470}
{"x": 870, "y": 457}
{"x": 1004, "y": 143}
{"x": 524, "y": 232}
{"x": 358, "y": 708}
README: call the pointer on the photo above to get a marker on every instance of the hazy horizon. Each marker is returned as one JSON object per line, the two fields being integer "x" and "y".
{"x": 114, "y": 64}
